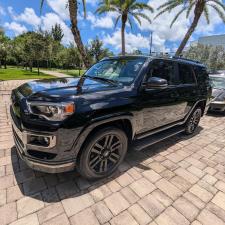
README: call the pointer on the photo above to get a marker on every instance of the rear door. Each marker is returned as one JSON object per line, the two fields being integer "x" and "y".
{"x": 187, "y": 88}
{"x": 161, "y": 106}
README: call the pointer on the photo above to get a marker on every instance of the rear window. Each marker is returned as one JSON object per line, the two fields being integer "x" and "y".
{"x": 186, "y": 74}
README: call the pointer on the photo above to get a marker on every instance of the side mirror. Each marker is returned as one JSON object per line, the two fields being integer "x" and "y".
{"x": 156, "y": 83}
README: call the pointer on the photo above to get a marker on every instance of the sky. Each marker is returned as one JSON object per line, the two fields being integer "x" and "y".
{"x": 18, "y": 16}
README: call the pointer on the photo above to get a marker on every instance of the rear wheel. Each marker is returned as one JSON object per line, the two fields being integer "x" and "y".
{"x": 103, "y": 153}
{"x": 193, "y": 121}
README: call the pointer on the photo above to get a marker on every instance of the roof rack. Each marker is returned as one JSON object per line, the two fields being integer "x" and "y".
{"x": 190, "y": 60}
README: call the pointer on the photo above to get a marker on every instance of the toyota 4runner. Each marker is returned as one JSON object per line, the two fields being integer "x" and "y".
{"x": 88, "y": 122}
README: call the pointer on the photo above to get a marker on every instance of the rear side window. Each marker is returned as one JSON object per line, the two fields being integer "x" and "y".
{"x": 201, "y": 74}
{"x": 186, "y": 74}
{"x": 163, "y": 69}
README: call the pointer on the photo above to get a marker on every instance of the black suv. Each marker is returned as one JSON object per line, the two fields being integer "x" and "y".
{"x": 88, "y": 123}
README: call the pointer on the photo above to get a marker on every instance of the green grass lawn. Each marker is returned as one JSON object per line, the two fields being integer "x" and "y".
{"x": 20, "y": 74}
{"x": 74, "y": 73}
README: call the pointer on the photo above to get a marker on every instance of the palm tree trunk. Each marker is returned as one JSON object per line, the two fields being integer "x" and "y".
{"x": 124, "y": 20}
{"x": 197, "y": 12}
{"x": 123, "y": 39}
{"x": 73, "y": 7}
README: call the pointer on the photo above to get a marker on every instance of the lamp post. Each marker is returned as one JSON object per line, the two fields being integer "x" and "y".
{"x": 151, "y": 34}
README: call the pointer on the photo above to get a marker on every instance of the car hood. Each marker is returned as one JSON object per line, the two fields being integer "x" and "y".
{"x": 61, "y": 88}
{"x": 217, "y": 92}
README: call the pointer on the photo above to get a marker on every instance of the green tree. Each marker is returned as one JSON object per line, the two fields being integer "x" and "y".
{"x": 201, "y": 7}
{"x": 212, "y": 56}
{"x": 73, "y": 11}
{"x": 137, "y": 52}
{"x": 126, "y": 9}
{"x": 57, "y": 32}
{"x": 97, "y": 51}
{"x": 5, "y": 46}
{"x": 34, "y": 47}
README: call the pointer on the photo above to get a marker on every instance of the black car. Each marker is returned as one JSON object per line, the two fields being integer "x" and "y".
{"x": 88, "y": 123}
{"x": 218, "y": 93}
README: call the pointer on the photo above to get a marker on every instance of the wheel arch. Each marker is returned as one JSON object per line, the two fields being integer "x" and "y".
{"x": 125, "y": 123}
{"x": 202, "y": 105}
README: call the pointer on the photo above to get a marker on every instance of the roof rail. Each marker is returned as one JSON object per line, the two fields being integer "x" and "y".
{"x": 190, "y": 60}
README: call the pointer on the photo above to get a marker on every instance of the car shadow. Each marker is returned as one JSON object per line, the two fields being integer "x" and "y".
{"x": 216, "y": 114}
{"x": 52, "y": 188}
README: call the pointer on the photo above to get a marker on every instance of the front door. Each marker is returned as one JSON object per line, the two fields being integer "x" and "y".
{"x": 161, "y": 106}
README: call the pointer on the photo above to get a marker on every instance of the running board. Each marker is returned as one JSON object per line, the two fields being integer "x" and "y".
{"x": 153, "y": 139}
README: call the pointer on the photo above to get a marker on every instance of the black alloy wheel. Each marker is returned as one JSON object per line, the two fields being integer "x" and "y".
{"x": 103, "y": 153}
{"x": 193, "y": 121}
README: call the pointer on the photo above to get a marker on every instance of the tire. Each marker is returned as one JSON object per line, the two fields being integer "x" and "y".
{"x": 103, "y": 153}
{"x": 193, "y": 121}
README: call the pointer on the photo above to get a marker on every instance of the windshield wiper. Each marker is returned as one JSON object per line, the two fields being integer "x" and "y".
{"x": 103, "y": 79}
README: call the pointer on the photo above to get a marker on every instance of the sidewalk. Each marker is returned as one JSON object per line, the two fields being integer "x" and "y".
{"x": 55, "y": 73}
{"x": 179, "y": 181}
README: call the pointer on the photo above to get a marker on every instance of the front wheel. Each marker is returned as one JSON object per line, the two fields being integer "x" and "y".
{"x": 193, "y": 121}
{"x": 103, "y": 153}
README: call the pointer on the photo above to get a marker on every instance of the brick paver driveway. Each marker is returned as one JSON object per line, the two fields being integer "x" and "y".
{"x": 179, "y": 181}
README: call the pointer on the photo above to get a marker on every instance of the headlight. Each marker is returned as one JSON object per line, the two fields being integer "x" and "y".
{"x": 52, "y": 111}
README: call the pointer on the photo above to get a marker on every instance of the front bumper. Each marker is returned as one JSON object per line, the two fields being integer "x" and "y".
{"x": 23, "y": 147}
{"x": 217, "y": 106}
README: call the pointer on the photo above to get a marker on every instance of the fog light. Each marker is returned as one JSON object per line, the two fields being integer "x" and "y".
{"x": 39, "y": 140}
{"x": 47, "y": 140}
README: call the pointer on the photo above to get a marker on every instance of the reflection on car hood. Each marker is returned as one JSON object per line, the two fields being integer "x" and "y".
{"x": 63, "y": 87}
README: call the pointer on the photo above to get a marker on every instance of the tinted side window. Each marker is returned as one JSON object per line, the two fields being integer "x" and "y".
{"x": 186, "y": 74}
{"x": 201, "y": 74}
{"x": 163, "y": 69}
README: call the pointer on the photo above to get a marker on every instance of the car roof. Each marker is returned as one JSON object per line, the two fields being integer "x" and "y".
{"x": 176, "y": 59}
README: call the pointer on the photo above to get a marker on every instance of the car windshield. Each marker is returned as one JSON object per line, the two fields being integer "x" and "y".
{"x": 218, "y": 82}
{"x": 117, "y": 70}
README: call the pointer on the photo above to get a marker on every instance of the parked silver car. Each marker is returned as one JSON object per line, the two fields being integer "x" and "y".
{"x": 218, "y": 93}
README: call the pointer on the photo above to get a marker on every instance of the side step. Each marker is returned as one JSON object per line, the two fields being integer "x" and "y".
{"x": 152, "y": 139}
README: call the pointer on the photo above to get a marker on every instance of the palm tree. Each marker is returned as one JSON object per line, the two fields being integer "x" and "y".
{"x": 73, "y": 10}
{"x": 125, "y": 9}
{"x": 200, "y": 7}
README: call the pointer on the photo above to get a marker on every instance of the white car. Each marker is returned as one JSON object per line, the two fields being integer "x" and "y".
{"x": 218, "y": 93}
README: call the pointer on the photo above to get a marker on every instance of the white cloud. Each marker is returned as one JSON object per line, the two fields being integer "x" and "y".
{"x": 2, "y": 11}
{"x": 133, "y": 41}
{"x": 29, "y": 17}
{"x": 15, "y": 27}
{"x": 60, "y": 8}
{"x": 46, "y": 22}
{"x": 207, "y": 29}
{"x": 11, "y": 11}
{"x": 50, "y": 19}
{"x": 101, "y": 22}
{"x": 161, "y": 25}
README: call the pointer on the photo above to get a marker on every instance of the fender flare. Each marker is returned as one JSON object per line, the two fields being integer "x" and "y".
{"x": 97, "y": 122}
